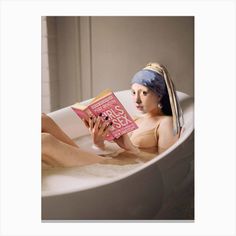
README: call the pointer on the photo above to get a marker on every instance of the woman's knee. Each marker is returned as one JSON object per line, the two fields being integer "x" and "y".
{"x": 48, "y": 141}
{"x": 46, "y": 120}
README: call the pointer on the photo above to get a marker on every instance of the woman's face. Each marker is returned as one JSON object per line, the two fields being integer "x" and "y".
{"x": 145, "y": 99}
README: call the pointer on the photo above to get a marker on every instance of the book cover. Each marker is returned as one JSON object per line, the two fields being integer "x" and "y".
{"x": 109, "y": 105}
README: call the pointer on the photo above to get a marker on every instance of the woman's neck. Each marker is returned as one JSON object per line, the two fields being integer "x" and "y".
{"x": 153, "y": 113}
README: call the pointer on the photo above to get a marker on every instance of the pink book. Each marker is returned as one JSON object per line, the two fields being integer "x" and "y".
{"x": 109, "y": 105}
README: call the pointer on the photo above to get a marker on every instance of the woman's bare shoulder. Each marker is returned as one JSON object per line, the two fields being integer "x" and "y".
{"x": 165, "y": 133}
{"x": 165, "y": 124}
{"x": 165, "y": 120}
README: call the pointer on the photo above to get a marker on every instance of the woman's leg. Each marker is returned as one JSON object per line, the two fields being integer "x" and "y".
{"x": 47, "y": 162}
{"x": 57, "y": 153}
{"x": 49, "y": 126}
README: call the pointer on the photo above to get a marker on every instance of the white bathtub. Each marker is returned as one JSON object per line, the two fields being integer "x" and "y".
{"x": 129, "y": 192}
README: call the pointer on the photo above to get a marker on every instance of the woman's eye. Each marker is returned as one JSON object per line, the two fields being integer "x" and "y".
{"x": 145, "y": 93}
{"x": 133, "y": 92}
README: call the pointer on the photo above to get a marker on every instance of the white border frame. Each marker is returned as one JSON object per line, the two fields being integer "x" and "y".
{"x": 214, "y": 116}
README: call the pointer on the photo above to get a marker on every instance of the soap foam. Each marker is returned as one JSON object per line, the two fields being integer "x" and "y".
{"x": 56, "y": 180}
{"x": 68, "y": 179}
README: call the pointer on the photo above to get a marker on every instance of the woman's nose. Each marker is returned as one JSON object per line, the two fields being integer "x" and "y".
{"x": 138, "y": 100}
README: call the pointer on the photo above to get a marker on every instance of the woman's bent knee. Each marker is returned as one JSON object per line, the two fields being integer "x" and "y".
{"x": 46, "y": 137}
{"x": 48, "y": 141}
{"x": 46, "y": 120}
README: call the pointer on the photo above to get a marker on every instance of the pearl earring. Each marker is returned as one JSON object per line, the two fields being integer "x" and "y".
{"x": 159, "y": 106}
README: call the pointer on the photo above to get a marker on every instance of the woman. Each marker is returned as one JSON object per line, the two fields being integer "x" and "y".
{"x": 159, "y": 126}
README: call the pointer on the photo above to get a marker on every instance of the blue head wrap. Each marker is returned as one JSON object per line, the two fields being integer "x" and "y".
{"x": 151, "y": 80}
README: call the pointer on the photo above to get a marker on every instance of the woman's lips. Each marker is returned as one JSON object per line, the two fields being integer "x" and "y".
{"x": 139, "y": 107}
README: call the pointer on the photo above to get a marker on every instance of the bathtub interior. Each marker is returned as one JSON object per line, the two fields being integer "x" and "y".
{"x": 63, "y": 180}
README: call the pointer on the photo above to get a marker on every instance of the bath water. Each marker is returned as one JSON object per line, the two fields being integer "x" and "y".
{"x": 58, "y": 180}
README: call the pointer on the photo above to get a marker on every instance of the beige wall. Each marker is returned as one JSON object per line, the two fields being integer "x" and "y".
{"x": 123, "y": 45}
{"x": 94, "y": 53}
{"x": 45, "y": 82}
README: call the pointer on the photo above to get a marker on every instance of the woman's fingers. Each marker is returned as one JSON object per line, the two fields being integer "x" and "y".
{"x": 96, "y": 124}
{"x": 99, "y": 127}
{"x": 107, "y": 129}
{"x": 91, "y": 123}
{"x": 102, "y": 127}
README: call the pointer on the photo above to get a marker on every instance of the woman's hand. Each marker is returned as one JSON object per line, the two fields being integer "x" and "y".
{"x": 99, "y": 129}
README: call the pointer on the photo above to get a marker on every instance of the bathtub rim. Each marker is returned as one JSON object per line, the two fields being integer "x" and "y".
{"x": 186, "y": 134}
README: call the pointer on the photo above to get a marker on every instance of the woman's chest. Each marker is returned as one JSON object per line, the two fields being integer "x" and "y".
{"x": 146, "y": 135}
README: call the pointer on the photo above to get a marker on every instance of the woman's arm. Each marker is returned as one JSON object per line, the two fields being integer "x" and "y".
{"x": 166, "y": 137}
{"x": 49, "y": 126}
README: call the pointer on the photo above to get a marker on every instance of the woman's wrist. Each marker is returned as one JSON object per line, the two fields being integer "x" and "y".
{"x": 100, "y": 145}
